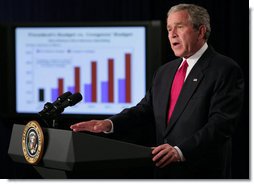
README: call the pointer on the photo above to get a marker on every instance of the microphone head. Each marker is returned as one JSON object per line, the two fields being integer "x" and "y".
{"x": 48, "y": 107}
{"x": 74, "y": 99}
{"x": 70, "y": 101}
{"x": 59, "y": 107}
{"x": 62, "y": 97}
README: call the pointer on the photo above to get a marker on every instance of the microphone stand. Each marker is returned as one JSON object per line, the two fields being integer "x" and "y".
{"x": 50, "y": 121}
{"x": 55, "y": 123}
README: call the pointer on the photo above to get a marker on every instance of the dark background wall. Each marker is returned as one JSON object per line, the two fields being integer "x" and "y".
{"x": 230, "y": 36}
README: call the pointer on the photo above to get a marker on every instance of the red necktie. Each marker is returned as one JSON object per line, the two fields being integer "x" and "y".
{"x": 176, "y": 87}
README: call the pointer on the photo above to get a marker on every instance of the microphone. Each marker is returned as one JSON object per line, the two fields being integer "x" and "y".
{"x": 49, "y": 106}
{"x": 62, "y": 98}
{"x": 70, "y": 101}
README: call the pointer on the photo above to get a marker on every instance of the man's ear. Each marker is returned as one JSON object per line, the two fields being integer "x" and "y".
{"x": 202, "y": 32}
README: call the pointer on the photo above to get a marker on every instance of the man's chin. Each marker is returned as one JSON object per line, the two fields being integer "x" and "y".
{"x": 178, "y": 54}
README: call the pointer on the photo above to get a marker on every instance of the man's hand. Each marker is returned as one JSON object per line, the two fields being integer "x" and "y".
{"x": 165, "y": 154}
{"x": 96, "y": 126}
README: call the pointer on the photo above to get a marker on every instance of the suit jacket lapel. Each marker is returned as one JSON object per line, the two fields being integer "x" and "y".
{"x": 190, "y": 85}
{"x": 187, "y": 91}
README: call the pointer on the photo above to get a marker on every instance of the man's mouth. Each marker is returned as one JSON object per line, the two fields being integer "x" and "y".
{"x": 175, "y": 44}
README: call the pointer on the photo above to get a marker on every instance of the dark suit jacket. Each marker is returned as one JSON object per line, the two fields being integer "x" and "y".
{"x": 204, "y": 118}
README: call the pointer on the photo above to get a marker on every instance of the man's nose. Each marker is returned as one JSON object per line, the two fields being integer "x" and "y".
{"x": 172, "y": 33}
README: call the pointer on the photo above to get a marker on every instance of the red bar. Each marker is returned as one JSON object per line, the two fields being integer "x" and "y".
{"x": 94, "y": 81}
{"x": 110, "y": 80}
{"x": 60, "y": 86}
{"x": 77, "y": 79}
{"x": 128, "y": 77}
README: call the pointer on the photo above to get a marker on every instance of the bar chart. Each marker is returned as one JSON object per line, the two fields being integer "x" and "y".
{"x": 90, "y": 89}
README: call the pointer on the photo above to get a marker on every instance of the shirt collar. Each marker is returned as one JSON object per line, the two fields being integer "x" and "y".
{"x": 195, "y": 57}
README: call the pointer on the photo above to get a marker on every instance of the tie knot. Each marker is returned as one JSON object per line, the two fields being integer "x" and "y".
{"x": 185, "y": 64}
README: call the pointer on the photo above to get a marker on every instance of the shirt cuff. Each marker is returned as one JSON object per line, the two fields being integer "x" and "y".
{"x": 112, "y": 129}
{"x": 180, "y": 153}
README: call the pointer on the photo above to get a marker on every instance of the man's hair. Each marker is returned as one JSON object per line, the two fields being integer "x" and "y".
{"x": 197, "y": 16}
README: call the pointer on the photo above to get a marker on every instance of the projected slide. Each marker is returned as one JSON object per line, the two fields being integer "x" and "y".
{"x": 105, "y": 64}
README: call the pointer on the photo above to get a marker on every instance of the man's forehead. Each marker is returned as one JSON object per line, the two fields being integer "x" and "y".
{"x": 178, "y": 18}
{"x": 179, "y": 13}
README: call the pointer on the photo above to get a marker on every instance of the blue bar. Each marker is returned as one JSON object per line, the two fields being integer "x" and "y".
{"x": 121, "y": 90}
{"x": 104, "y": 92}
{"x": 71, "y": 89}
{"x": 88, "y": 93}
{"x": 54, "y": 94}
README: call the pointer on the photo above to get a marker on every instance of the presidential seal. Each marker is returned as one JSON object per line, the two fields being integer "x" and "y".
{"x": 32, "y": 142}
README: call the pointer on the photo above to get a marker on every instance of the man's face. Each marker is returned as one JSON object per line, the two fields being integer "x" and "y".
{"x": 184, "y": 39}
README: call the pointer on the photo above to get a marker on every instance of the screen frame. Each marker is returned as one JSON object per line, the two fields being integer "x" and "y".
{"x": 153, "y": 58}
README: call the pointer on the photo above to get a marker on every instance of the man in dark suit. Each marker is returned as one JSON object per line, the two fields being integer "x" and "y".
{"x": 194, "y": 102}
